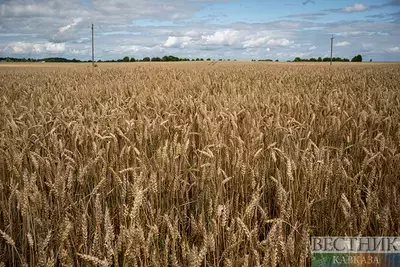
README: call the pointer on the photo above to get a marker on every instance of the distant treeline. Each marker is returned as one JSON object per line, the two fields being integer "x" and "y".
{"x": 357, "y": 58}
{"x": 325, "y": 59}
{"x": 49, "y": 59}
{"x": 269, "y": 60}
{"x": 159, "y": 59}
{"x": 125, "y": 59}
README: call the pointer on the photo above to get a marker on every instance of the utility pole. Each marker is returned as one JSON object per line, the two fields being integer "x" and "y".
{"x": 92, "y": 45}
{"x": 331, "y": 48}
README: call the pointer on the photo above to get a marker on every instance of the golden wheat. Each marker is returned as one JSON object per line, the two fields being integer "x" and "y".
{"x": 230, "y": 164}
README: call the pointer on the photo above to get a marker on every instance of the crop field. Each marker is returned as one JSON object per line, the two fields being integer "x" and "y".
{"x": 194, "y": 164}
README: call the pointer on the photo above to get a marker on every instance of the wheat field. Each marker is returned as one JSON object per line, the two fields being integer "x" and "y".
{"x": 194, "y": 164}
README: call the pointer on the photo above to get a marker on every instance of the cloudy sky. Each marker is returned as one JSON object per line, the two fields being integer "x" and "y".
{"x": 237, "y": 29}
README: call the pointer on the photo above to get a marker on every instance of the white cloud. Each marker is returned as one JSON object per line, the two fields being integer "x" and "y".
{"x": 17, "y": 9}
{"x": 286, "y": 24}
{"x": 367, "y": 48}
{"x": 250, "y": 52}
{"x": 180, "y": 15}
{"x": 67, "y": 32}
{"x": 342, "y": 44}
{"x": 125, "y": 10}
{"x": 293, "y": 54}
{"x": 193, "y": 33}
{"x": 69, "y": 26}
{"x": 224, "y": 37}
{"x": 350, "y": 34}
{"x": 355, "y": 8}
{"x": 363, "y": 33}
{"x": 255, "y": 42}
{"x": 25, "y": 47}
{"x": 312, "y": 48}
{"x": 394, "y": 49}
{"x": 54, "y": 48}
{"x": 80, "y": 52}
{"x": 174, "y": 41}
{"x": 138, "y": 49}
{"x": 260, "y": 41}
{"x": 279, "y": 42}
{"x": 267, "y": 50}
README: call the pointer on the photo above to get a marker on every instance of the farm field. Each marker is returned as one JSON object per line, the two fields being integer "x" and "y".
{"x": 194, "y": 164}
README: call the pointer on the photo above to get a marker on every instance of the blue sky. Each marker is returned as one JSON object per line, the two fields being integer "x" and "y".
{"x": 242, "y": 30}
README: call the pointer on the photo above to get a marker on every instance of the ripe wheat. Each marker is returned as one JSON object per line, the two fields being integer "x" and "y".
{"x": 224, "y": 165}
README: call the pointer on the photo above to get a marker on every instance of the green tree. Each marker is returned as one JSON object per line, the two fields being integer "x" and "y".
{"x": 357, "y": 58}
{"x": 319, "y": 59}
{"x": 208, "y": 59}
{"x": 370, "y": 60}
{"x": 126, "y": 59}
{"x": 277, "y": 60}
{"x": 133, "y": 59}
{"x": 147, "y": 59}
{"x": 297, "y": 59}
